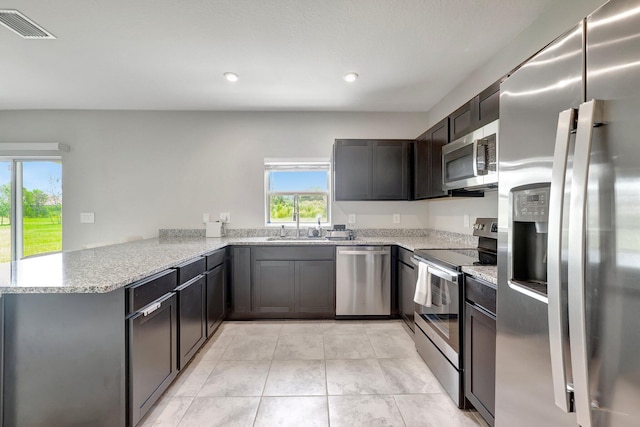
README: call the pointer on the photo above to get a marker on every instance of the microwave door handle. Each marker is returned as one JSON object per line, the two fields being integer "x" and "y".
{"x": 589, "y": 114}
{"x": 557, "y": 312}
{"x": 481, "y": 156}
{"x": 474, "y": 144}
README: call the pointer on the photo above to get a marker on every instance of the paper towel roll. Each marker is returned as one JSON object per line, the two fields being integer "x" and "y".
{"x": 213, "y": 229}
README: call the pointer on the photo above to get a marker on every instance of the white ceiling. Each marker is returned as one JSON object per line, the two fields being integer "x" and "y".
{"x": 290, "y": 54}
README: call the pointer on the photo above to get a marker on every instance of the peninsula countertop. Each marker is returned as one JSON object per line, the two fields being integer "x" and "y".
{"x": 107, "y": 268}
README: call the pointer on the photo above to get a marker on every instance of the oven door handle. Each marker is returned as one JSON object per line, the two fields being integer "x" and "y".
{"x": 442, "y": 274}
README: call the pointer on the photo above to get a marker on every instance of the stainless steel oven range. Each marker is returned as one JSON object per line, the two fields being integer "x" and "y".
{"x": 439, "y": 316}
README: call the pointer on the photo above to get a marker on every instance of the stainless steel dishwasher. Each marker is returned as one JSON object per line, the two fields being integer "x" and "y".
{"x": 363, "y": 281}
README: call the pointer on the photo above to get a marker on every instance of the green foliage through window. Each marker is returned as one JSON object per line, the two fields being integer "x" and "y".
{"x": 308, "y": 181}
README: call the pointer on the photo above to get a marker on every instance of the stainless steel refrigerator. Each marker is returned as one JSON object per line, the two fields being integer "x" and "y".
{"x": 568, "y": 308}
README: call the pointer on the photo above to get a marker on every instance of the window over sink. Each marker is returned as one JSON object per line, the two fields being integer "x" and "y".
{"x": 308, "y": 181}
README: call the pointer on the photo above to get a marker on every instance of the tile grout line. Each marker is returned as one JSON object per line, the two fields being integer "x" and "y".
{"x": 266, "y": 378}
{"x": 326, "y": 382}
{"x": 185, "y": 412}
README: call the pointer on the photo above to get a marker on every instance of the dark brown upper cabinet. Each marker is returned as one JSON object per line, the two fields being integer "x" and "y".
{"x": 371, "y": 169}
{"x": 482, "y": 109}
{"x": 427, "y": 160}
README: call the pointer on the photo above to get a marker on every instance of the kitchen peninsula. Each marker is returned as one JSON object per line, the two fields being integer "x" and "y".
{"x": 65, "y": 338}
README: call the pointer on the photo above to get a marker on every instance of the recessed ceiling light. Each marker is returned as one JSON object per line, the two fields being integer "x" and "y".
{"x": 232, "y": 77}
{"x": 350, "y": 77}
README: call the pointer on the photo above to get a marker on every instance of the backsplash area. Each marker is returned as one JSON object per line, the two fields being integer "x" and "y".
{"x": 364, "y": 232}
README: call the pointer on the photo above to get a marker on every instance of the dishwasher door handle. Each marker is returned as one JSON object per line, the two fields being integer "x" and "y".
{"x": 363, "y": 253}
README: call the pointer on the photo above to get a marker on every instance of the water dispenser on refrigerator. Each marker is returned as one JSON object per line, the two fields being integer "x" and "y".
{"x": 530, "y": 218}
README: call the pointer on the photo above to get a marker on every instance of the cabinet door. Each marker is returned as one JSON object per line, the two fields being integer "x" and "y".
{"x": 488, "y": 105}
{"x": 480, "y": 361}
{"x": 439, "y": 137}
{"x": 461, "y": 121}
{"x": 241, "y": 287}
{"x": 192, "y": 318}
{"x": 274, "y": 286}
{"x": 215, "y": 298}
{"x": 421, "y": 166}
{"x": 390, "y": 170}
{"x": 152, "y": 357}
{"x": 352, "y": 169}
{"x": 407, "y": 277}
{"x": 315, "y": 287}
{"x": 428, "y": 161}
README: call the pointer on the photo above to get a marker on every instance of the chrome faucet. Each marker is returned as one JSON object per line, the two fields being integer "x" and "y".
{"x": 296, "y": 213}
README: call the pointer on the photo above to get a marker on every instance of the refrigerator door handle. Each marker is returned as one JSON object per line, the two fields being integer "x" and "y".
{"x": 590, "y": 113}
{"x": 556, "y": 310}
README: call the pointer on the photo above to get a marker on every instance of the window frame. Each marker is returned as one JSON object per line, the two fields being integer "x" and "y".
{"x": 296, "y": 165}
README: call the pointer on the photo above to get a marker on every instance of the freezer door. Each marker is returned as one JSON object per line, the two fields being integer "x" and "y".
{"x": 530, "y": 102}
{"x": 612, "y": 249}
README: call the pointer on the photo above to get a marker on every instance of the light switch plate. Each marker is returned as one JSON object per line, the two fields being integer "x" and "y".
{"x": 396, "y": 218}
{"x": 352, "y": 219}
{"x": 87, "y": 218}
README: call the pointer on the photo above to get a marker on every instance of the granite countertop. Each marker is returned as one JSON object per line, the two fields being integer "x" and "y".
{"x": 484, "y": 272}
{"x": 107, "y": 268}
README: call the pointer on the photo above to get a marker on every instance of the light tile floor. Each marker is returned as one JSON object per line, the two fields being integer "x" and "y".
{"x": 308, "y": 373}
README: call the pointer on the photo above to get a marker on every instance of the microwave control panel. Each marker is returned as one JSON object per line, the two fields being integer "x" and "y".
{"x": 531, "y": 205}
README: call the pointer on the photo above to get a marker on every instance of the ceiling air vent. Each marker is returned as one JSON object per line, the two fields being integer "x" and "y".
{"x": 23, "y": 26}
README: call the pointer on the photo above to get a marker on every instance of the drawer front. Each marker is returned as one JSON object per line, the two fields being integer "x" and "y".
{"x": 481, "y": 293}
{"x": 150, "y": 289}
{"x": 215, "y": 258}
{"x": 190, "y": 269}
{"x": 292, "y": 253}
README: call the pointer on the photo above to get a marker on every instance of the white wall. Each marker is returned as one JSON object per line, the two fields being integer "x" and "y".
{"x": 141, "y": 171}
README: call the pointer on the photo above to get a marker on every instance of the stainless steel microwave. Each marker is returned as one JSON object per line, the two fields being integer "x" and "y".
{"x": 470, "y": 162}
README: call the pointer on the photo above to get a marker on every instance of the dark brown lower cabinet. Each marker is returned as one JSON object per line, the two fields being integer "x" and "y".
{"x": 216, "y": 279}
{"x": 283, "y": 282}
{"x": 192, "y": 318}
{"x": 407, "y": 277}
{"x": 152, "y": 351}
{"x": 314, "y": 287}
{"x": 274, "y": 286}
{"x": 480, "y": 351}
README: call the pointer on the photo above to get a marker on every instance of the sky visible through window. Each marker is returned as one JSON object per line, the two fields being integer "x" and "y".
{"x": 298, "y": 181}
{"x": 36, "y": 175}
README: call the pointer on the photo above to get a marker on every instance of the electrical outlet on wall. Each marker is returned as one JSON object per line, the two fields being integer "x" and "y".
{"x": 466, "y": 220}
{"x": 396, "y": 218}
{"x": 87, "y": 218}
{"x": 352, "y": 218}
{"x": 206, "y": 217}
{"x": 225, "y": 216}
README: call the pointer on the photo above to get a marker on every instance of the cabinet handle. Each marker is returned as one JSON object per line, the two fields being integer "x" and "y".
{"x": 150, "y": 309}
{"x": 363, "y": 253}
